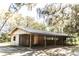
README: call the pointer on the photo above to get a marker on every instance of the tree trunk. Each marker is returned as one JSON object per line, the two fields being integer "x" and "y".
{"x": 3, "y": 24}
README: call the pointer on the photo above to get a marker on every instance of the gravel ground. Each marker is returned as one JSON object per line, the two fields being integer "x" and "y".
{"x": 7, "y": 50}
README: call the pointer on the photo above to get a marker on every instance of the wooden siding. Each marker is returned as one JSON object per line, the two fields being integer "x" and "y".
{"x": 38, "y": 40}
{"x": 35, "y": 39}
{"x": 24, "y": 40}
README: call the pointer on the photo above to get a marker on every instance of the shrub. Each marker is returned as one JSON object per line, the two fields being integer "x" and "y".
{"x": 4, "y": 37}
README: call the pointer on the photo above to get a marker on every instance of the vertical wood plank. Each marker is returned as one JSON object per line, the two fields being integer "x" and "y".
{"x": 55, "y": 41}
{"x": 30, "y": 41}
{"x": 45, "y": 41}
{"x": 62, "y": 41}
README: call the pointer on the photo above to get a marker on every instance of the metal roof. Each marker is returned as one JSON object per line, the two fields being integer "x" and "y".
{"x": 34, "y": 31}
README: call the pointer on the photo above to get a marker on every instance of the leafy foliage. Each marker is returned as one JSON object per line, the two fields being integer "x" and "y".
{"x": 4, "y": 38}
{"x": 55, "y": 16}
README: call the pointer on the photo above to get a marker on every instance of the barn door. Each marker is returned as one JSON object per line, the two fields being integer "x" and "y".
{"x": 24, "y": 39}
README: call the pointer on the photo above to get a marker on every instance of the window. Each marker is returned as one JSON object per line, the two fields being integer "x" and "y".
{"x": 14, "y": 38}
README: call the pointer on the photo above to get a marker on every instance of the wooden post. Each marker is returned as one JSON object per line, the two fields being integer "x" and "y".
{"x": 55, "y": 41}
{"x": 62, "y": 42}
{"x": 45, "y": 40}
{"x": 30, "y": 41}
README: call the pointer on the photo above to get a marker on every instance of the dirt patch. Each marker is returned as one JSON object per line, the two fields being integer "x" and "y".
{"x": 7, "y": 50}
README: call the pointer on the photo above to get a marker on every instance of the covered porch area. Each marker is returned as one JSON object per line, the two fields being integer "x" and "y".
{"x": 39, "y": 40}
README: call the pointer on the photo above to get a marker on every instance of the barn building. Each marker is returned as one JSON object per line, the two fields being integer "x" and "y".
{"x": 32, "y": 37}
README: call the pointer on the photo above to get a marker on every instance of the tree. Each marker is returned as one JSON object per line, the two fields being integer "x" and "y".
{"x": 15, "y": 7}
{"x": 5, "y": 16}
{"x": 73, "y": 26}
{"x": 54, "y": 15}
{"x": 36, "y": 25}
{"x": 31, "y": 23}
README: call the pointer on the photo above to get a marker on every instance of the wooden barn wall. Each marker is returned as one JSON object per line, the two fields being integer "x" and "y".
{"x": 24, "y": 39}
{"x": 50, "y": 42}
{"x": 38, "y": 40}
{"x": 41, "y": 40}
{"x": 61, "y": 40}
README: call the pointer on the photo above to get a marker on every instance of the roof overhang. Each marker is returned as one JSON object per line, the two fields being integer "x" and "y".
{"x": 33, "y": 31}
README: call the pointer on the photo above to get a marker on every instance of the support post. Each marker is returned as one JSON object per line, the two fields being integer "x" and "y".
{"x": 55, "y": 41}
{"x": 30, "y": 41}
{"x": 62, "y": 42}
{"x": 45, "y": 41}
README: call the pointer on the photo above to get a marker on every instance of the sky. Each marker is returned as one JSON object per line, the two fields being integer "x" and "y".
{"x": 42, "y": 1}
{"x": 4, "y": 4}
